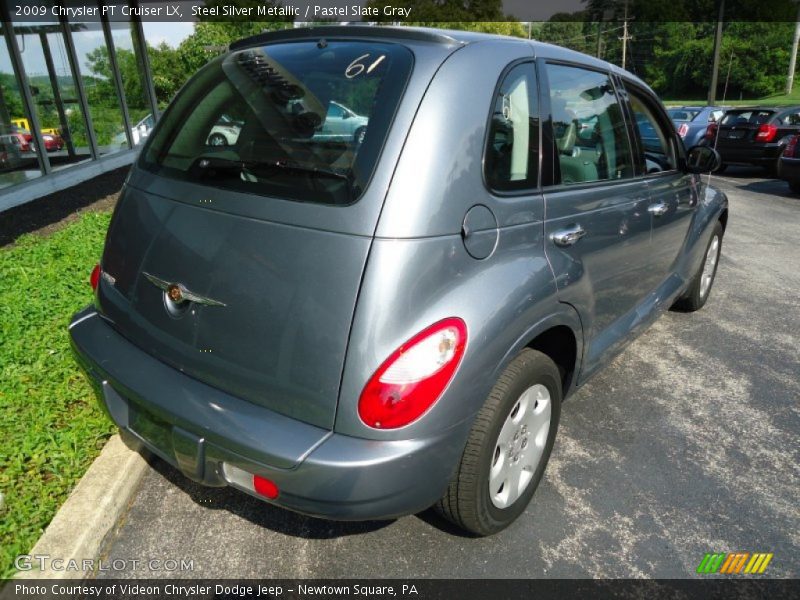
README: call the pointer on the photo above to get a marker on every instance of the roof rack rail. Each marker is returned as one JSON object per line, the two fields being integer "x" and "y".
{"x": 350, "y": 31}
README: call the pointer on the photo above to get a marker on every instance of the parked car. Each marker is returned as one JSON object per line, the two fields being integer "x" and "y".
{"x": 343, "y": 124}
{"x": 692, "y": 121}
{"x": 754, "y": 136}
{"x": 225, "y": 132}
{"x": 18, "y": 140}
{"x": 52, "y": 142}
{"x": 10, "y": 157}
{"x": 139, "y": 132}
{"x": 789, "y": 166}
{"x": 361, "y": 331}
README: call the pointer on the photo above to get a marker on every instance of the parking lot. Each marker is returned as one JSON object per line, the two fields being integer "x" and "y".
{"x": 687, "y": 443}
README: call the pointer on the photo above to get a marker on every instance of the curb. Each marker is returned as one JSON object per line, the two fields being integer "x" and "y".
{"x": 91, "y": 511}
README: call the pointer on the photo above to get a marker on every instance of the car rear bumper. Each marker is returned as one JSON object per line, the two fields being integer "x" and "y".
{"x": 750, "y": 154}
{"x": 198, "y": 428}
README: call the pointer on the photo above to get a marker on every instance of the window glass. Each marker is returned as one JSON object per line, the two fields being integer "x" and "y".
{"x": 258, "y": 120}
{"x": 18, "y": 161}
{"x": 746, "y": 117}
{"x": 512, "y": 155}
{"x": 683, "y": 114}
{"x": 657, "y": 142}
{"x": 792, "y": 118}
{"x": 101, "y": 90}
{"x": 591, "y": 140}
{"x": 131, "y": 69}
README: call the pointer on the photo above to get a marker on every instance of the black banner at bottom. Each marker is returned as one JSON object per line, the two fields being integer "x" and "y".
{"x": 392, "y": 589}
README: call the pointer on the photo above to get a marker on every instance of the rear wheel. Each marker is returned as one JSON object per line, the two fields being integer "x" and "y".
{"x": 508, "y": 447}
{"x": 699, "y": 289}
{"x": 795, "y": 186}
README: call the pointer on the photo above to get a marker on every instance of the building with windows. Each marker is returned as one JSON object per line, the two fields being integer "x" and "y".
{"x": 76, "y": 99}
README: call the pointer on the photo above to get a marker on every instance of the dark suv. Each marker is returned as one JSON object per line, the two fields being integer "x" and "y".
{"x": 754, "y": 136}
{"x": 366, "y": 326}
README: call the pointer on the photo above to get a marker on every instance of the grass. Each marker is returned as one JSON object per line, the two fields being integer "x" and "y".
{"x": 773, "y": 100}
{"x": 51, "y": 427}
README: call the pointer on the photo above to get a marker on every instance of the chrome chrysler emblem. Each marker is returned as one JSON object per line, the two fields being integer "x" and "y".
{"x": 177, "y": 292}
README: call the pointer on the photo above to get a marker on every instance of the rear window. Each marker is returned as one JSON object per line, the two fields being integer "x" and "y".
{"x": 682, "y": 114}
{"x": 302, "y": 120}
{"x": 747, "y": 117}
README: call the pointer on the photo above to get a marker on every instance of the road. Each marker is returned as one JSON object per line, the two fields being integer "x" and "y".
{"x": 686, "y": 443}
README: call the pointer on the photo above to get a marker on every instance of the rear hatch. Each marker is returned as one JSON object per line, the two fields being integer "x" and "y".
{"x": 738, "y": 128}
{"x": 236, "y": 251}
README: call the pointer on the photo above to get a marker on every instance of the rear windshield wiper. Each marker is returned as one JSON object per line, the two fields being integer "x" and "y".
{"x": 208, "y": 166}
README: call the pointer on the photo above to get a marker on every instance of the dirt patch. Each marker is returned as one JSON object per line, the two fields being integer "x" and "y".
{"x": 54, "y": 211}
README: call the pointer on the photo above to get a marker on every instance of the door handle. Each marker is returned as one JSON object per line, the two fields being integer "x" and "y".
{"x": 657, "y": 209}
{"x": 568, "y": 236}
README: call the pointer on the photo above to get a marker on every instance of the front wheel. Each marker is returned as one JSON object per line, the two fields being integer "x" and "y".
{"x": 696, "y": 295}
{"x": 508, "y": 447}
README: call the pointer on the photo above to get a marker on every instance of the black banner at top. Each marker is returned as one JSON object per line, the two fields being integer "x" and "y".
{"x": 404, "y": 11}
{"x": 394, "y": 589}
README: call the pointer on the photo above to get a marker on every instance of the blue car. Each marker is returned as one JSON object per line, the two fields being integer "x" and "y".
{"x": 361, "y": 329}
{"x": 693, "y": 121}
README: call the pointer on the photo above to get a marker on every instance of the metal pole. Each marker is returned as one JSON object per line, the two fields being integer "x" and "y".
{"x": 115, "y": 73}
{"x": 74, "y": 66}
{"x": 66, "y": 134}
{"x": 712, "y": 89}
{"x": 793, "y": 55}
{"x": 140, "y": 44}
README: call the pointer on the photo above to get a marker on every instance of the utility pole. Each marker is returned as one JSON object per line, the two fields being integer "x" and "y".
{"x": 793, "y": 55}
{"x": 712, "y": 89}
{"x": 625, "y": 37}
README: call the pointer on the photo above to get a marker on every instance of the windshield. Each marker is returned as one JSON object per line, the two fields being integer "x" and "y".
{"x": 746, "y": 117}
{"x": 683, "y": 114}
{"x": 301, "y": 120}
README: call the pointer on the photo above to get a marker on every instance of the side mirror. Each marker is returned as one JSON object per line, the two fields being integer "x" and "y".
{"x": 702, "y": 159}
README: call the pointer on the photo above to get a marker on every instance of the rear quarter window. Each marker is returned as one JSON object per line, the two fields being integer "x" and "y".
{"x": 300, "y": 120}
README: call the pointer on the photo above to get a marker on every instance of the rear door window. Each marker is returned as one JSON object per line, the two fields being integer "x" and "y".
{"x": 301, "y": 120}
{"x": 590, "y": 137}
{"x": 512, "y": 154}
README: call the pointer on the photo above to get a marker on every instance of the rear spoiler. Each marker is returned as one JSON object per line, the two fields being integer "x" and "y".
{"x": 348, "y": 31}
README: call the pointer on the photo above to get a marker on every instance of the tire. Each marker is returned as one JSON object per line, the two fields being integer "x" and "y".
{"x": 359, "y": 135}
{"x": 795, "y": 186}
{"x": 720, "y": 169}
{"x": 217, "y": 139}
{"x": 524, "y": 388}
{"x": 772, "y": 169}
{"x": 696, "y": 295}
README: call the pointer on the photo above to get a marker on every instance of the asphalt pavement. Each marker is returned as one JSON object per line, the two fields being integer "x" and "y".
{"x": 687, "y": 443}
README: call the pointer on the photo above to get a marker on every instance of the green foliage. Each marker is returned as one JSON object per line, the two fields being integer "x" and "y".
{"x": 51, "y": 428}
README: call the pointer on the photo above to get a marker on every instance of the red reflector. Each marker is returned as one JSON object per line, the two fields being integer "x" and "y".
{"x": 711, "y": 131}
{"x": 766, "y": 133}
{"x": 265, "y": 487}
{"x": 94, "y": 278}
{"x": 413, "y": 378}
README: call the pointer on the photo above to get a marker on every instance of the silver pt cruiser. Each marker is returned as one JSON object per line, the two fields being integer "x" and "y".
{"x": 363, "y": 326}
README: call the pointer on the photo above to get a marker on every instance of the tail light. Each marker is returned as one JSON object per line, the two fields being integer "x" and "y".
{"x": 788, "y": 151}
{"x": 766, "y": 133}
{"x": 683, "y": 130}
{"x": 413, "y": 378}
{"x": 94, "y": 278}
{"x": 711, "y": 131}
{"x": 250, "y": 482}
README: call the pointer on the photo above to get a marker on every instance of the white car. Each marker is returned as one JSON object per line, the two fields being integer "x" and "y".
{"x": 138, "y": 133}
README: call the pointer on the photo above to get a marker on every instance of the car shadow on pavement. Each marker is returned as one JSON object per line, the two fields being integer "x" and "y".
{"x": 261, "y": 513}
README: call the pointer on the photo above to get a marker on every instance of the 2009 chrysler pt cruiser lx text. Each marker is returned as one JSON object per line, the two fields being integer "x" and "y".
{"x": 361, "y": 325}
